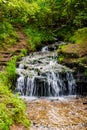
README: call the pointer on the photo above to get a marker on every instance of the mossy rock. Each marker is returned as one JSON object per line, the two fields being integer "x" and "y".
{"x": 75, "y": 54}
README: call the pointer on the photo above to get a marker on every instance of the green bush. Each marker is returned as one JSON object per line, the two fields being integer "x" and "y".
{"x": 8, "y": 77}
{"x": 12, "y": 109}
{"x": 36, "y": 36}
{"x": 7, "y": 34}
{"x": 79, "y": 36}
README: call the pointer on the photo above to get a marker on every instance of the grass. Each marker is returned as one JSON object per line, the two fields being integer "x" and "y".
{"x": 8, "y": 76}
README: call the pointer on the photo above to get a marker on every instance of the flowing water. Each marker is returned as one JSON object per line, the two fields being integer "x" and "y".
{"x": 41, "y": 76}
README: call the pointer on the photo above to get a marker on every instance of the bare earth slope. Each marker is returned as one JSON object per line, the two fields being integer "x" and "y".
{"x": 9, "y": 51}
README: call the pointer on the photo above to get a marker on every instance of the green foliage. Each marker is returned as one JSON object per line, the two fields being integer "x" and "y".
{"x": 16, "y": 11}
{"x": 80, "y": 19}
{"x": 61, "y": 59}
{"x": 44, "y": 19}
{"x": 7, "y": 34}
{"x": 79, "y": 36}
{"x": 24, "y": 52}
{"x": 12, "y": 109}
{"x": 65, "y": 33}
{"x": 11, "y": 71}
{"x": 5, "y": 122}
{"x": 36, "y": 36}
{"x": 8, "y": 77}
{"x": 59, "y": 17}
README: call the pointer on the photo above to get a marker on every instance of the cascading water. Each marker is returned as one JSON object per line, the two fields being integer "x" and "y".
{"x": 41, "y": 76}
{"x": 44, "y": 49}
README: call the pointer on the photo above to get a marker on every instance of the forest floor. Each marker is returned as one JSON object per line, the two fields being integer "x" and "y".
{"x": 59, "y": 114}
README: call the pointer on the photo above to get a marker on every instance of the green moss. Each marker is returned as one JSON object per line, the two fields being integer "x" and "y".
{"x": 62, "y": 47}
{"x": 61, "y": 59}
{"x": 24, "y": 51}
{"x": 75, "y": 55}
{"x": 83, "y": 60}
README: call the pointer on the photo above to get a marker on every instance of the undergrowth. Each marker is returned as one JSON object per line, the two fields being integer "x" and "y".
{"x": 79, "y": 36}
{"x": 8, "y": 76}
{"x": 12, "y": 109}
{"x": 8, "y": 35}
{"x": 36, "y": 36}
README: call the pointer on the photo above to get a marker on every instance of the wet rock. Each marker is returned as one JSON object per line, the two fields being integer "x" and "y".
{"x": 84, "y": 103}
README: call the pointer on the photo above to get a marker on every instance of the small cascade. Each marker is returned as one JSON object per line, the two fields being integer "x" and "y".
{"x": 44, "y": 49}
{"x": 41, "y": 76}
{"x": 48, "y": 85}
{"x": 71, "y": 83}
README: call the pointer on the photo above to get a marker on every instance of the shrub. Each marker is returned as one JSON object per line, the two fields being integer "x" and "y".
{"x": 8, "y": 77}
{"x": 7, "y": 34}
{"x": 12, "y": 109}
{"x": 24, "y": 52}
{"x": 36, "y": 36}
{"x": 60, "y": 59}
{"x": 79, "y": 36}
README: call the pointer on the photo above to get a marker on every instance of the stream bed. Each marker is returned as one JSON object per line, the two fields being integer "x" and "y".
{"x": 66, "y": 113}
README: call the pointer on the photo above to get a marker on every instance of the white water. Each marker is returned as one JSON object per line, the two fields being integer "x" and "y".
{"x": 41, "y": 76}
{"x": 44, "y": 49}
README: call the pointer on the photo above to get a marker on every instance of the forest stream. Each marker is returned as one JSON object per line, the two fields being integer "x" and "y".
{"x": 49, "y": 90}
{"x": 43, "y": 64}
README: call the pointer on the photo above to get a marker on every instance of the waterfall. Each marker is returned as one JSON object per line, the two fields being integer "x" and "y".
{"x": 41, "y": 76}
{"x": 50, "y": 84}
{"x": 44, "y": 49}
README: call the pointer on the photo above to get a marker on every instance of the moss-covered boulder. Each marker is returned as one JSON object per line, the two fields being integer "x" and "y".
{"x": 75, "y": 54}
